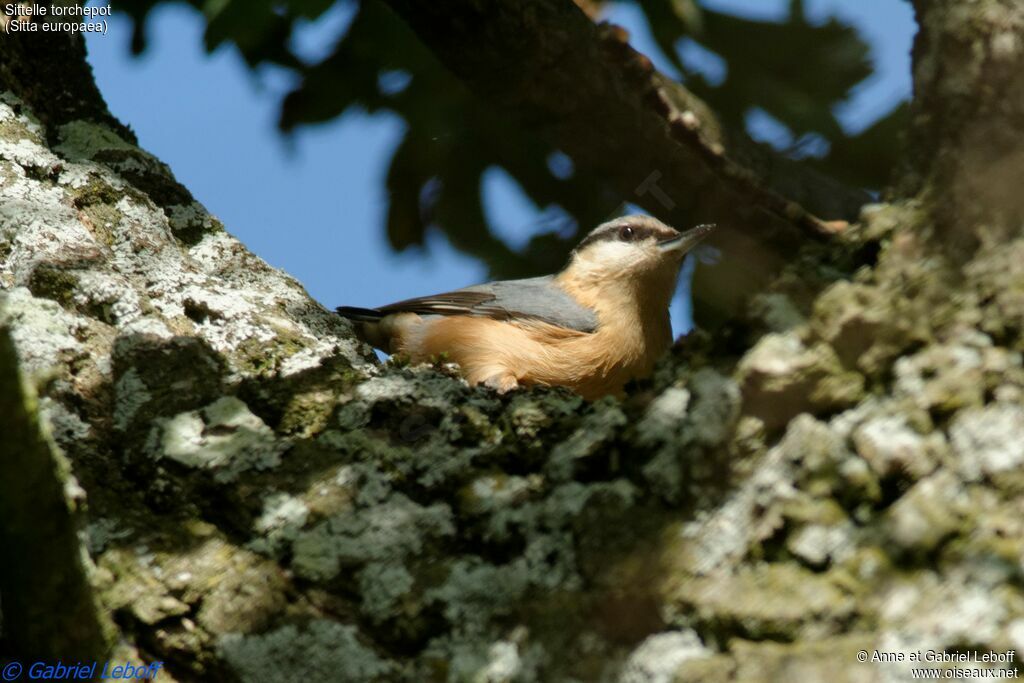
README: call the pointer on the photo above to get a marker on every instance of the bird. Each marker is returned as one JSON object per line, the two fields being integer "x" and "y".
{"x": 600, "y": 322}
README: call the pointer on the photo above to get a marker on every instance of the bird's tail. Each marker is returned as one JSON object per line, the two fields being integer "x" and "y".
{"x": 361, "y": 315}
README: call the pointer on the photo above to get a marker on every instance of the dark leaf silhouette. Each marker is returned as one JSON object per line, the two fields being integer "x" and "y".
{"x": 794, "y": 70}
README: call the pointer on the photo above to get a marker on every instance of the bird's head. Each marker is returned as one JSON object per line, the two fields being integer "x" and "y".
{"x": 633, "y": 249}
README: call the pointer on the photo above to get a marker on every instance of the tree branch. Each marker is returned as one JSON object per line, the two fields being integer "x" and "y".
{"x": 591, "y": 94}
{"x": 584, "y": 89}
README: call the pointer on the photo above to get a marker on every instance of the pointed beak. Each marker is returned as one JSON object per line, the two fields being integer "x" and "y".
{"x": 688, "y": 240}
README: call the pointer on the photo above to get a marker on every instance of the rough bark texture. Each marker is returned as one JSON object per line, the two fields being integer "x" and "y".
{"x": 264, "y": 502}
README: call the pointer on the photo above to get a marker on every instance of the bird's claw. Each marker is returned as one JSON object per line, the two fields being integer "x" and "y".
{"x": 501, "y": 383}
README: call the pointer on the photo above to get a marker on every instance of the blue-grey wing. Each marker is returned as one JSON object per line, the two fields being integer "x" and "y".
{"x": 538, "y": 298}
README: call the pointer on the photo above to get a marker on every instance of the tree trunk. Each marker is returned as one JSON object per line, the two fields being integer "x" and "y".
{"x": 967, "y": 151}
{"x": 259, "y": 500}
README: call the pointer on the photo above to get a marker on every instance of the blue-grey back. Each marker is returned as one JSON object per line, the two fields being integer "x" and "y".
{"x": 540, "y": 298}
{"x": 537, "y": 298}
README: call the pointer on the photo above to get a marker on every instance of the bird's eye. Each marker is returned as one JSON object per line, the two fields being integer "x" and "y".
{"x": 626, "y": 233}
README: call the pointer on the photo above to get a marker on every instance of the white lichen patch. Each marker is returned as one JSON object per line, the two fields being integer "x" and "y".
{"x": 953, "y": 375}
{"x": 227, "y": 318}
{"x": 83, "y": 174}
{"x": 306, "y": 359}
{"x": 492, "y": 492}
{"x": 27, "y": 153}
{"x": 145, "y": 245}
{"x": 932, "y": 613}
{"x": 937, "y": 374}
{"x": 929, "y": 512}
{"x": 147, "y": 326}
{"x": 776, "y": 355}
{"x": 723, "y": 535}
{"x": 217, "y": 252}
{"x": 1005, "y": 46}
{"x": 386, "y": 388}
{"x": 504, "y": 664}
{"x": 23, "y": 141}
{"x": 819, "y": 544}
{"x": 891, "y": 446}
{"x": 1015, "y": 634}
{"x": 843, "y": 424}
{"x": 110, "y": 292}
{"x": 282, "y": 518}
{"x": 217, "y": 302}
{"x": 39, "y": 226}
{"x": 664, "y": 415}
{"x": 989, "y": 440}
{"x": 781, "y": 376}
{"x": 43, "y": 332}
{"x": 659, "y": 657}
{"x": 481, "y": 659}
{"x": 225, "y": 438}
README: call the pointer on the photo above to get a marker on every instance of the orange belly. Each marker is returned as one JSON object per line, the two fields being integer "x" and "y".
{"x": 529, "y": 352}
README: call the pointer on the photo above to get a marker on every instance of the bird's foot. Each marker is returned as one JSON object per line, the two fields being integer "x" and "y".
{"x": 502, "y": 383}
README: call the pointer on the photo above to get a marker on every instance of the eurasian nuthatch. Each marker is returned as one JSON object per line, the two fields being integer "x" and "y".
{"x": 600, "y": 322}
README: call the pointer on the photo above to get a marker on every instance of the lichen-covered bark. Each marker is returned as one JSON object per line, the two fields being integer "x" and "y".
{"x": 840, "y": 470}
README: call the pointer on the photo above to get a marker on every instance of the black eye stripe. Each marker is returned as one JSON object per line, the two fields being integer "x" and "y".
{"x": 639, "y": 233}
{"x": 615, "y": 233}
{"x": 593, "y": 237}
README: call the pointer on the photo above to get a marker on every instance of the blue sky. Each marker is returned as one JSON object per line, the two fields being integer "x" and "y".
{"x": 313, "y": 204}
